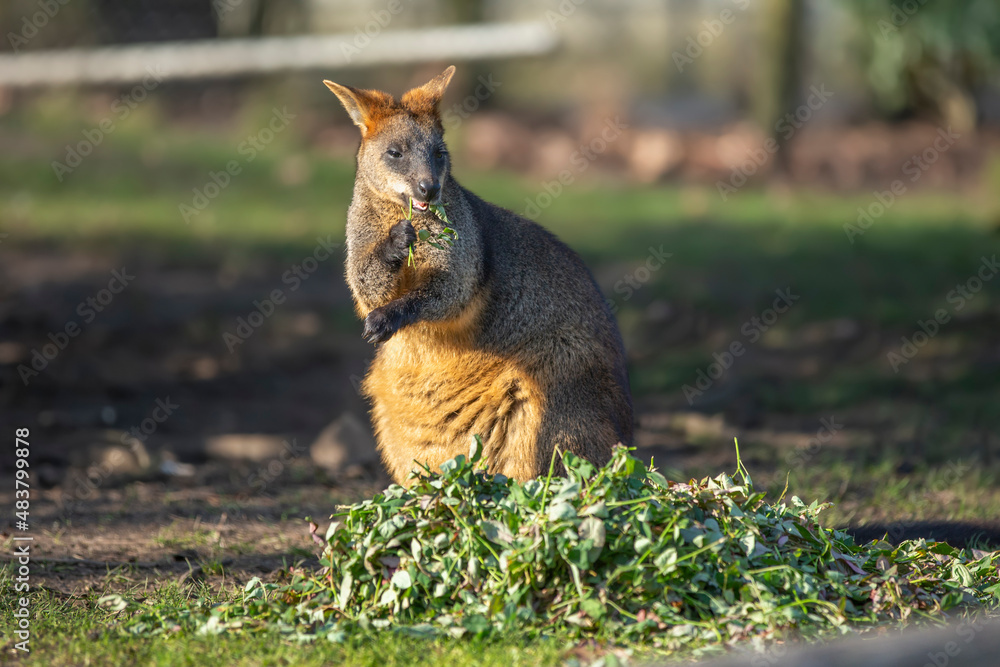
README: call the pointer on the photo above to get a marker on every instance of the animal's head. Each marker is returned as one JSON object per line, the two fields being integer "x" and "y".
{"x": 402, "y": 154}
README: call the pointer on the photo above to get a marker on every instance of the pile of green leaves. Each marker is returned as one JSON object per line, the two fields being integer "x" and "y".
{"x": 617, "y": 553}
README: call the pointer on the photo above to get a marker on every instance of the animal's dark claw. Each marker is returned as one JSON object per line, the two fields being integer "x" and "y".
{"x": 401, "y": 237}
{"x": 380, "y": 325}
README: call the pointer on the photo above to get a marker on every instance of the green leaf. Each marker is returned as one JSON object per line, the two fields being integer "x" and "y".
{"x": 441, "y": 541}
{"x": 749, "y": 543}
{"x": 561, "y": 511}
{"x": 476, "y": 449}
{"x": 496, "y": 532}
{"x": 568, "y": 491}
{"x": 332, "y": 529}
{"x": 346, "y": 585}
{"x": 993, "y": 591}
{"x": 642, "y": 545}
{"x": 593, "y": 608}
{"x": 666, "y": 560}
{"x": 117, "y": 602}
{"x": 951, "y": 600}
{"x": 658, "y": 479}
{"x": 593, "y": 529}
{"x": 401, "y": 579}
{"x": 598, "y": 509}
{"x": 963, "y": 575}
{"x": 476, "y": 624}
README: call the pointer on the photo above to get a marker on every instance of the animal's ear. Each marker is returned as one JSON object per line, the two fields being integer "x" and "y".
{"x": 365, "y": 107}
{"x": 425, "y": 99}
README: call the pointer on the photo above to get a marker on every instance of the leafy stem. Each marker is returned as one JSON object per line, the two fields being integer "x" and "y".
{"x": 446, "y": 235}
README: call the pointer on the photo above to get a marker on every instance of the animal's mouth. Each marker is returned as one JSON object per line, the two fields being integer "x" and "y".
{"x": 420, "y": 205}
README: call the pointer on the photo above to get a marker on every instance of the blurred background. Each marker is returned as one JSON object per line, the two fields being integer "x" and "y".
{"x": 792, "y": 206}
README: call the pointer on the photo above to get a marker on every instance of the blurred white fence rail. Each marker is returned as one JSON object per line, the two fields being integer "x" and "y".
{"x": 234, "y": 57}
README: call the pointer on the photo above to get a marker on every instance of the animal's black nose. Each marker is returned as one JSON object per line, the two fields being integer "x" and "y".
{"x": 429, "y": 189}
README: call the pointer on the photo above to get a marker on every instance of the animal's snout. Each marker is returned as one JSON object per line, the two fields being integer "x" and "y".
{"x": 428, "y": 189}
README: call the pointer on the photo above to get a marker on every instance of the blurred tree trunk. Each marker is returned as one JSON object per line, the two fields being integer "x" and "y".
{"x": 257, "y": 19}
{"x": 779, "y": 91}
{"x": 284, "y": 17}
{"x": 467, "y": 12}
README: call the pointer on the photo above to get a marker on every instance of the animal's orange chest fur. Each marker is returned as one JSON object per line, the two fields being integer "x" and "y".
{"x": 431, "y": 395}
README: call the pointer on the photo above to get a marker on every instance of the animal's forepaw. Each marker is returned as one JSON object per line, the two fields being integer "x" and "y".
{"x": 401, "y": 237}
{"x": 380, "y": 325}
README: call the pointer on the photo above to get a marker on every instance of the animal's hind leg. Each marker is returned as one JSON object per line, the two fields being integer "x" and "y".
{"x": 580, "y": 417}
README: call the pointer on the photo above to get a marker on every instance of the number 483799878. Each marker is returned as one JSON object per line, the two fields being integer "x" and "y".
{"x": 22, "y": 487}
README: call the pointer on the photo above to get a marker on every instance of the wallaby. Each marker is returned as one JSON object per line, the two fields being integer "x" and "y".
{"x": 502, "y": 334}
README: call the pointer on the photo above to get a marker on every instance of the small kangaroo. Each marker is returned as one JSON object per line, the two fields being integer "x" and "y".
{"x": 502, "y": 334}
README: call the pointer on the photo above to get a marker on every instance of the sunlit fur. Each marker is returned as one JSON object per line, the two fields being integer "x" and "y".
{"x": 504, "y": 334}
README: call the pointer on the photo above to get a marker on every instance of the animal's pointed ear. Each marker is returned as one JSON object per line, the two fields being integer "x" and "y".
{"x": 425, "y": 98}
{"x": 365, "y": 107}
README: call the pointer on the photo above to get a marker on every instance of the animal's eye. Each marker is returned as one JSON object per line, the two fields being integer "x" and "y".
{"x": 393, "y": 153}
{"x": 439, "y": 152}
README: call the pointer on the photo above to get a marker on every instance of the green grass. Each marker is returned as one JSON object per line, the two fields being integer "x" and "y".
{"x": 179, "y": 537}
{"x": 877, "y": 492}
{"x": 74, "y": 632}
